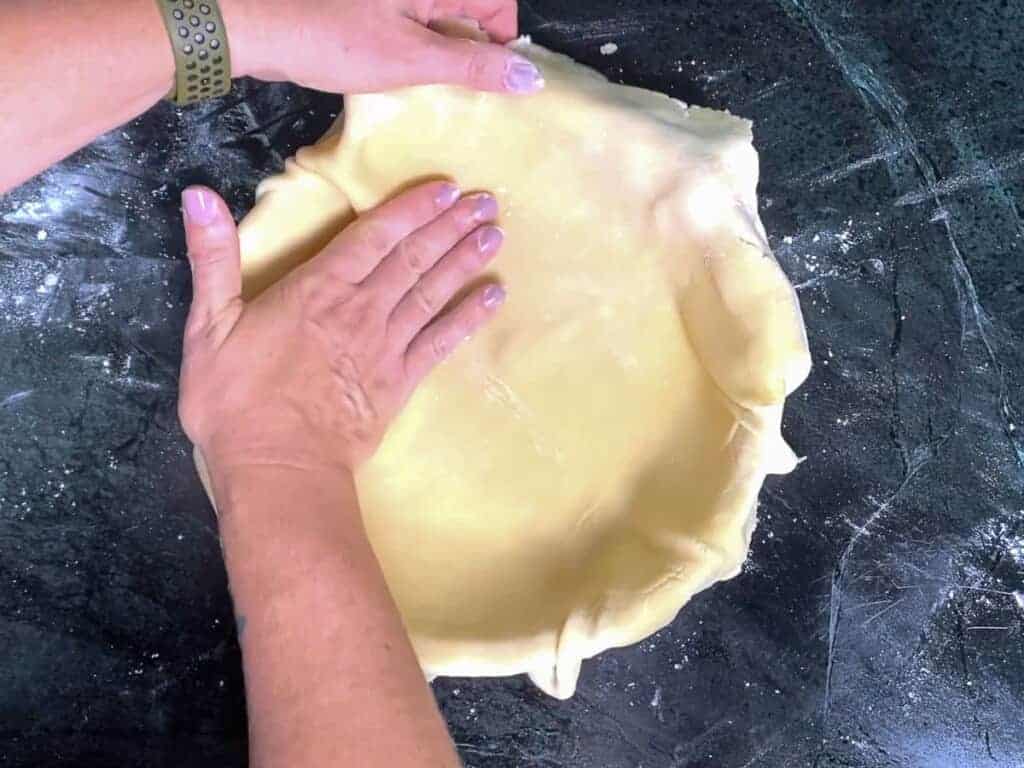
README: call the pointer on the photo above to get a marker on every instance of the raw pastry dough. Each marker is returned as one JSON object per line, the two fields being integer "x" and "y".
{"x": 592, "y": 459}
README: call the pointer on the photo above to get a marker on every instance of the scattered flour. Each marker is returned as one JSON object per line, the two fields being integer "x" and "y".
{"x": 845, "y": 238}
{"x": 609, "y": 49}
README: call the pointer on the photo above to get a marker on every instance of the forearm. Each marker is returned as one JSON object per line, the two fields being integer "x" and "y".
{"x": 69, "y": 71}
{"x": 331, "y": 678}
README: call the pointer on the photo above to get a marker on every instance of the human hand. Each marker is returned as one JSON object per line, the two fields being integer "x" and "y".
{"x": 358, "y": 46}
{"x": 311, "y": 372}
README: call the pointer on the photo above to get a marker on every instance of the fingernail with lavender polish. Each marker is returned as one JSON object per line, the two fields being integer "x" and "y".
{"x": 489, "y": 239}
{"x": 199, "y": 205}
{"x": 485, "y": 208}
{"x": 494, "y": 296}
{"x": 522, "y": 77}
{"x": 447, "y": 196}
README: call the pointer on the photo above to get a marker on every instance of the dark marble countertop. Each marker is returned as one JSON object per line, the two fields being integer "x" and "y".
{"x": 879, "y": 620}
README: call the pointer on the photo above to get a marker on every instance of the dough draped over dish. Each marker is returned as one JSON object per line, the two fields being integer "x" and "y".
{"x": 589, "y": 461}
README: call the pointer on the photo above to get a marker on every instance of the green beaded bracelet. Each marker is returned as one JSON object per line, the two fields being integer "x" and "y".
{"x": 200, "y": 44}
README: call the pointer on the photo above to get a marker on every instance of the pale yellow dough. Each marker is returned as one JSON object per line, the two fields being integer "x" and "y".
{"x": 592, "y": 459}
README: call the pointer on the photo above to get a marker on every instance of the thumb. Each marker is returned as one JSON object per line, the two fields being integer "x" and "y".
{"x": 213, "y": 254}
{"x": 481, "y": 66}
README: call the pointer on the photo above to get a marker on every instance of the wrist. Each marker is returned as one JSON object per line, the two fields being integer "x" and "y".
{"x": 244, "y": 30}
{"x": 242, "y": 490}
{"x": 270, "y": 438}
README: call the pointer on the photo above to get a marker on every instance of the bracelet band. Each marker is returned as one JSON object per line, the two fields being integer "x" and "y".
{"x": 200, "y": 43}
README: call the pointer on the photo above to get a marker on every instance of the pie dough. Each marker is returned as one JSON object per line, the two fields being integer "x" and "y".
{"x": 578, "y": 470}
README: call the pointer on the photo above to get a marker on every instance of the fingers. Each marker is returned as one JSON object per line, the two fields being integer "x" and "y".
{"x": 496, "y": 17}
{"x": 439, "y": 339}
{"x": 499, "y": 18}
{"x": 213, "y": 254}
{"x": 438, "y": 286}
{"x": 361, "y": 246}
{"x": 481, "y": 66}
{"x": 421, "y": 250}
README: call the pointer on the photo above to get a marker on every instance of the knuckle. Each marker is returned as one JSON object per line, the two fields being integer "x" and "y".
{"x": 374, "y": 238}
{"x": 477, "y": 67}
{"x": 424, "y": 300}
{"x": 439, "y": 347}
{"x": 211, "y": 243}
{"x": 213, "y": 255}
{"x": 412, "y": 256}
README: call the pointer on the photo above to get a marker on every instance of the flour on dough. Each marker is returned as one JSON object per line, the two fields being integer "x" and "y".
{"x": 592, "y": 459}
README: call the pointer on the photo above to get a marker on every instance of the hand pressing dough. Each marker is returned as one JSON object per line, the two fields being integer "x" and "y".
{"x": 575, "y": 473}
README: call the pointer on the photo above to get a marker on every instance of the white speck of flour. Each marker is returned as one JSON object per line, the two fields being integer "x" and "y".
{"x": 49, "y": 282}
{"x": 609, "y": 48}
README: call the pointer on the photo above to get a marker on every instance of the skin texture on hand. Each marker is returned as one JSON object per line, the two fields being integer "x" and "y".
{"x": 311, "y": 372}
{"x": 354, "y": 46}
{"x": 101, "y": 69}
{"x": 285, "y": 396}
{"x": 330, "y": 676}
